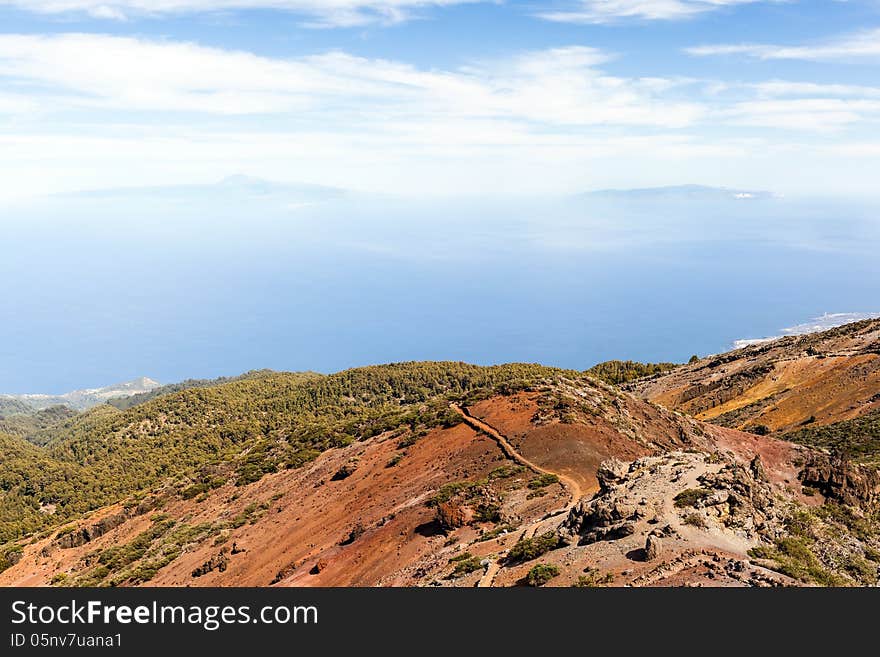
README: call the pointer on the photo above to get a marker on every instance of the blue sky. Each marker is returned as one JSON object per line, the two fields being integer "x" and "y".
{"x": 441, "y": 96}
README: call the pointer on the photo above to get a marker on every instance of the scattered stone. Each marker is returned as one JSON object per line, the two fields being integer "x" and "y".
{"x": 344, "y": 472}
{"x": 219, "y": 562}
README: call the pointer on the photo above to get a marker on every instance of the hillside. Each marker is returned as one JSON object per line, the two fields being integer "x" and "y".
{"x": 128, "y": 401}
{"x": 11, "y": 406}
{"x": 237, "y": 431}
{"x": 29, "y": 423}
{"x": 807, "y": 388}
{"x": 617, "y": 372}
{"x": 441, "y": 474}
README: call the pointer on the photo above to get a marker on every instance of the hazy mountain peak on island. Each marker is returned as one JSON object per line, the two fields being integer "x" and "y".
{"x": 86, "y": 398}
{"x": 683, "y": 192}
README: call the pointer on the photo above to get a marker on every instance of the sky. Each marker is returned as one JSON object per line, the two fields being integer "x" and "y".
{"x": 441, "y": 97}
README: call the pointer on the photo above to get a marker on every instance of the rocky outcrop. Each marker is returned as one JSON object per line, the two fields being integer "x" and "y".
{"x": 82, "y": 535}
{"x": 453, "y": 514}
{"x": 840, "y": 480}
{"x": 741, "y": 497}
{"x": 219, "y": 562}
{"x": 467, "y": 507}
{"x": 87, "y": 534}
{"x": 611, "y": 473}
{"x": 608, "y": 515}
{"x": 599, "y": 519}
{"x": 713, "y": 493}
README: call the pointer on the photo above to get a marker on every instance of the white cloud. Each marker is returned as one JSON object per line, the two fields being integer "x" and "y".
{"x": 607, "y": 11}
{"x": 330, "y": 13}
{"x": 852, "y": 46}
{"x": 84, "y": 111}
{"x": 558, "y": 87}
{"x": 813, "y": 114}
{"x": 787, "y": 88}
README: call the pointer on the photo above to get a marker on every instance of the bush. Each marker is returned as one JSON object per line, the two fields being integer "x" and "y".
{"x": 593, "y": 579}
{"x": 465, "y": 563}
{"x": 487, "y": 512}
{"x": 541, "y": 574}
{"x": 695, "y": 520}
{"x": 506, "y": 471}
{"x": 794, "y": 557}
{"x": 690, "y": 497}
{"x": 532, "y": 548}
{"x": 447, "y": 491}
{"x": 542, "y": 481}
{"x": 496, "y": 532}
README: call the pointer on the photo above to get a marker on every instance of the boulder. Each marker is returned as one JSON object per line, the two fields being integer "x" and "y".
{"x": 611, "y": 472}
{"x": 652, "y": 547}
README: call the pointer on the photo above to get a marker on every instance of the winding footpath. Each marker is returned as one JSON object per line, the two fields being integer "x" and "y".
{"x": 573, "y": 487}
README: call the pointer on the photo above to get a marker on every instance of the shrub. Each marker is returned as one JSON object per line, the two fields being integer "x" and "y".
{"x": 58, "y": 579}
{"x": 541, "y": 574}
{"x": 487, "y": 512}
{"x": 695, "y": 520}
{"x": 447, "y": 491}
{"x": 410, "y": 440}
{"x": 542, "y": 481}
{"x": 593, "y": 579}
{"x": 532, "y": 548}
{"x": 794, "y": 557}
{"x": 506, "y": 471}
{"x": 465, "y": 564}
{"x": 496, "y": 532}
{"x": 690, "y": 497}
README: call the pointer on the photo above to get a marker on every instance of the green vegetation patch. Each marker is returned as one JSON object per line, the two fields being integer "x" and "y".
{"x": 542, "y": 481}
{"x": 531, "y": 548}
{"x": 618, "y": 372}
{"x": 465, "y": 563}
{"x": 857, "y": 439}
{"x": 832, "y": 545}
{"x": 541, "y": 574}
{"x": 691, "y": 497}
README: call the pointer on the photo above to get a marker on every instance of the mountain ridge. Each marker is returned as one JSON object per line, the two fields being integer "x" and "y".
{"x": 85, "y": 398}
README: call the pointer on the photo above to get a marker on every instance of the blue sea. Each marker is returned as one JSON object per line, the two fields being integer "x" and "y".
{"x": 221, "y": 279}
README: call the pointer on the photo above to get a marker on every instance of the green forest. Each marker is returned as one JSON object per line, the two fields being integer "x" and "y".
{"x": 201, "y": 437}
{"x": 618, "y": 372}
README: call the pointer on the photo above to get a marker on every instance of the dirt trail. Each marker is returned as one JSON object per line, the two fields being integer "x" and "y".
{"x": 510, "y": 452}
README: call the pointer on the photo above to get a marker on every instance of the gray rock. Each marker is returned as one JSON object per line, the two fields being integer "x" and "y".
{"x": 652, "y": 548}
